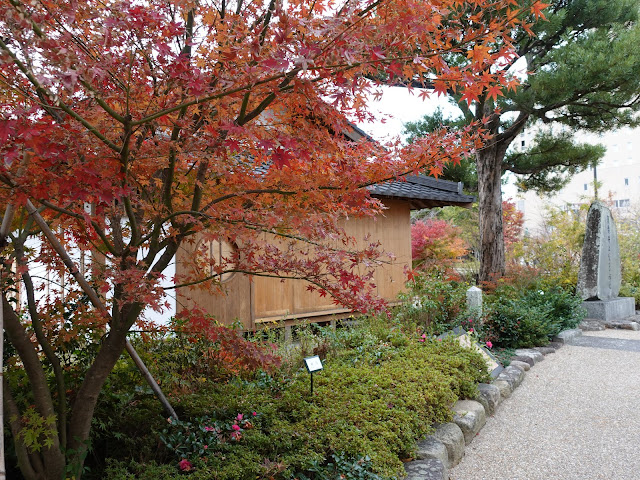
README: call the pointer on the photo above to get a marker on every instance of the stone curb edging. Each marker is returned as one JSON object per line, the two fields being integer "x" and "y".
{"x": 444, "y": 449}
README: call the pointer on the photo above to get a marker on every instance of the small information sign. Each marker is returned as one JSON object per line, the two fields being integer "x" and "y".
{"x": 313, "y": 364}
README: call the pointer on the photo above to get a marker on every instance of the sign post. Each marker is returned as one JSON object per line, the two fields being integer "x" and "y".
{"x": 313, "y": 364}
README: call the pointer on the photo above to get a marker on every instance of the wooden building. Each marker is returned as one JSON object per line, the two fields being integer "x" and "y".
{"x": 260, "y": 300}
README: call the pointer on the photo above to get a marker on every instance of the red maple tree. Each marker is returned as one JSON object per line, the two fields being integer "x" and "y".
{"x": 436, "y": 243}
{"x": 128, "y": 127}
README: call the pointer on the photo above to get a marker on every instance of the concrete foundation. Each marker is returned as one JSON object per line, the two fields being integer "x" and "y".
{"x": 616, "y": 308}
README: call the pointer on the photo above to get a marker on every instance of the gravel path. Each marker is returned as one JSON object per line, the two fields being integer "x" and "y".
{"x": 576, "y": 416}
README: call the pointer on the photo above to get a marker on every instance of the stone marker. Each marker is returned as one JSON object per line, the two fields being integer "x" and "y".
{"x": 474, "y": 300}
{"x": 600, "y": 276}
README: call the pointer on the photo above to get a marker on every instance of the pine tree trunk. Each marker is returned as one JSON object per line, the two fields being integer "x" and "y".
{"x": 489, "y": 166}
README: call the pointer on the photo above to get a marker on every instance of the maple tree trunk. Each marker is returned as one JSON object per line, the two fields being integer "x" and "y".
{"x": 87, "y": 397}
{"x": 489, "y": 167}
{"x": 3, "y": 472}
{"x": 48, "y": 462}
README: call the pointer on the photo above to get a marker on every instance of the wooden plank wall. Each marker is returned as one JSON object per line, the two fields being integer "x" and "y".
{"x": 267, "y": 299}
{"x": 232, "y": 303}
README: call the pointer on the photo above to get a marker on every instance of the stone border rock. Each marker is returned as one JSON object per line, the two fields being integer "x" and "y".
{"x": 444, "y": 449}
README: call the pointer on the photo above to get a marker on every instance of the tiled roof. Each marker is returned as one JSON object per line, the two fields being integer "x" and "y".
{"x": 423, "y": 192}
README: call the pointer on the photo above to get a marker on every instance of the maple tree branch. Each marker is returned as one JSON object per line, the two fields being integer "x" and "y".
{"x": 352, "y": 25}
{"x": 169, "y": 171}
{"x": 124, "y": 160}
{"x": 247, "y": 272}
{"x": 44, "y": 344}
{"x": 267, "y": 20}
{"x": 84, "y": 47}
{"x": 243, "y": 107}
{"x": 40, "y": 90}
{"x": 289, "y": 74}
{"x": 133, "y": 222}
{"x": 169, "y": 253}
{"x": 96, "y": 227}
{"x": 101, "y": 101}
{"x": 262, "y": 191}
{"x": 214, "y": 96}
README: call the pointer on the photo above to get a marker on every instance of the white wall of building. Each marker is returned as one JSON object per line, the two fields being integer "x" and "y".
{"x": 618, "y": 176}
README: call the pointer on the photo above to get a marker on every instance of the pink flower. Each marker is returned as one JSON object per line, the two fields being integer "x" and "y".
{"x": 470, "y": 320}
{"x": 489, "y": 344}
{"x": 239, "y": 417}
{"x": 206, "y": 446}
{"x": 471, "y": 330}
{"x": 236, "y": 427}
{"x": 209, "y": 429}
{"x": 254, "y": 414}
{"x": 185, "y": 465}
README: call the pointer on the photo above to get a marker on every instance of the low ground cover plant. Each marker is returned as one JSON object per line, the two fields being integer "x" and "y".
{"x": 383, "y": 386}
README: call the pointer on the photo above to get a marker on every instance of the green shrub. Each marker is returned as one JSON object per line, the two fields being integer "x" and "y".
{"x": 565, "y": 308}
{"x": 516, "y": 324}
{"x": 630, "y": 290}
{"x": 529, "y": 312}
{"x": 433, "y": 303}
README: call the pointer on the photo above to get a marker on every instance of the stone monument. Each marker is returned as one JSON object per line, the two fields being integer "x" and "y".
{"x": 599, "y": 277}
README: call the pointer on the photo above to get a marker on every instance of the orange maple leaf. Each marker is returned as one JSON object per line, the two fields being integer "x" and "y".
{"x": 537, "y": 8}
{"x": 494, "y": 91}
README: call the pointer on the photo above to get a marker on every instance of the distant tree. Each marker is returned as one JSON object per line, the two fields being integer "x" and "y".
{"x": 436, "y": 242}
{"x": 465, "y": 170}
{"x": 580, "y": 70}
{"x": 513, "y": 220}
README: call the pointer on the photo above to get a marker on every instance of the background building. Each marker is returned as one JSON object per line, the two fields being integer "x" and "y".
{"x": 618, "y": 176}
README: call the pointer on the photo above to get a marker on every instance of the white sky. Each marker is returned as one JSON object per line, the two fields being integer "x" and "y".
{"x": 397, "y": 107}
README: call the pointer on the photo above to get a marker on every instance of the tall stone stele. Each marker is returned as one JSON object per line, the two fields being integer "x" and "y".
{"x": 599, "y": 277}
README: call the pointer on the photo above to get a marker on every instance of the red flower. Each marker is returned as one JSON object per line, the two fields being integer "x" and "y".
{"x": 185, "y": 465}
